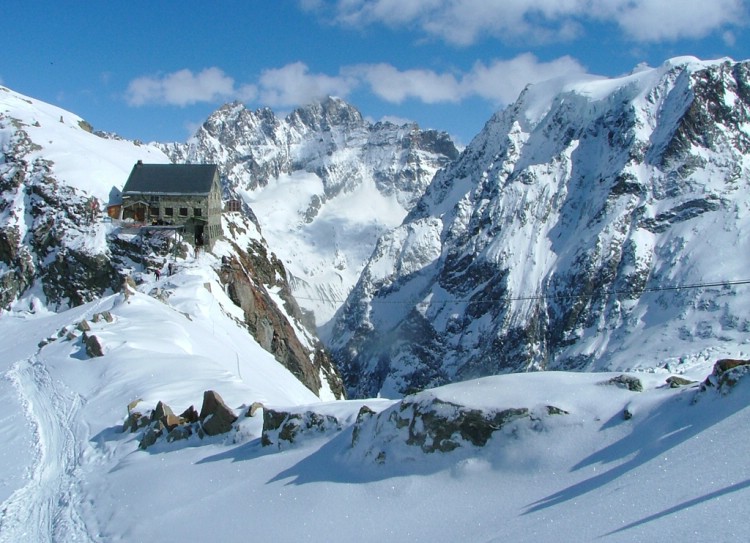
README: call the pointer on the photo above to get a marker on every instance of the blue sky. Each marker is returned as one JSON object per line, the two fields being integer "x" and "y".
{"x": 154, "y": 70}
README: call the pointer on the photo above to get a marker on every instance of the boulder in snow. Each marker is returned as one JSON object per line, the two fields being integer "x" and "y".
{"x": 94, "y": 346}
{"x": 253, "y": 409}
{"x": 190, "y": 415}
{"x": 626, "y": 381}
{"x": 676, "y": 382}
{"x": 216, "y": 417}
{"x": 726, "y": 374}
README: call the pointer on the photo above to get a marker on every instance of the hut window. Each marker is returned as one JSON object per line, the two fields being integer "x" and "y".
{"x": 168, "y": 211}
{"x": 197, "y": 212}
{"x": 183, "y": 212}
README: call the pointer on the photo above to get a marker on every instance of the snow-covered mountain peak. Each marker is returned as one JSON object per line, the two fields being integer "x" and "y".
{"x": 329, "y": 114}
{"x": 323, "y": 182}
{"x": 557, "y": 236}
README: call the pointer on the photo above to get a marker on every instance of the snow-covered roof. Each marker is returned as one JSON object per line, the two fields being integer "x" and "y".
{"x": 170, "y": 179}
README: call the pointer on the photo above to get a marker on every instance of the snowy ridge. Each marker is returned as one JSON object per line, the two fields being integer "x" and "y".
{"x": 323, "y": 182}
{"x": 555, "y": 231}
{"x": 98, "y": 164}
{"x": 74, "y": 404}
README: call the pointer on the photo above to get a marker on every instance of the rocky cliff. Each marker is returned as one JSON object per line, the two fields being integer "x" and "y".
{"x": 587, "y": 223}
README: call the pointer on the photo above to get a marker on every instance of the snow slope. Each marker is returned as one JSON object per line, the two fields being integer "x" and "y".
{"x": 675, "y": 470}
{"x": 91, "y": 164}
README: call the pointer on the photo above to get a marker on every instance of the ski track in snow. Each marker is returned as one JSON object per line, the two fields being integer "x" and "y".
{"x": 46, "y": 509}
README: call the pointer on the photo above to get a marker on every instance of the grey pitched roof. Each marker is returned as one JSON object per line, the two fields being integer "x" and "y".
{"x": 170, "y": 179}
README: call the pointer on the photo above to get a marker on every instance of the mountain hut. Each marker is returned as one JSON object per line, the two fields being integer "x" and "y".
{"x": 187, "y": 195}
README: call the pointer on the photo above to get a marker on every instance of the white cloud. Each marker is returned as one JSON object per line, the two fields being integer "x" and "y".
{"x": 462, "y": 22}
{"x": 499, "y": 81}
{"x": 181, "y": 88}
{"x": 395, "y": 86}
{"x": 293, "y": 85}
{"x": 502, "y": 80}
{"x": 665, "y": 20}
{"x": 290, "y": 85}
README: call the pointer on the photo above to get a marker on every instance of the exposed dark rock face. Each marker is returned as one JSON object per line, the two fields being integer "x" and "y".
{"x": 51, "y": 216}
{"x": 217, "y": 418}
{"x": 439, "y": 425}
{"x": 558, "y": 238}
{"x": 248, "y": 277}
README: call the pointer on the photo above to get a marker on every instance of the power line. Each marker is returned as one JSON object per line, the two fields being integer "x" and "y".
{"x": 555, "y": 296}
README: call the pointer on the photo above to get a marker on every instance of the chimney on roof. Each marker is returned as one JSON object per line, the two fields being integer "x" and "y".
{"x": 139, "y": 163}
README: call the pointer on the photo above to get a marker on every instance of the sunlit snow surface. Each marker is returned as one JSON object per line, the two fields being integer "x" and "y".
{"x": 676, "y": 470}
{"x": 90, "y": 163}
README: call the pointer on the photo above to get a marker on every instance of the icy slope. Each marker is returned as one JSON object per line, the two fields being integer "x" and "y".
{"x": 323, "y": 182}
{"x": 560, "y": 237}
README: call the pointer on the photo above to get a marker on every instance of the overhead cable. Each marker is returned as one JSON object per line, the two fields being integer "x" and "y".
{"x": 552, "y": 296}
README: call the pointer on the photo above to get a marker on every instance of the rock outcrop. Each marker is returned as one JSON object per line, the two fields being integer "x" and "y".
{"x": 628, "y": 382}
{"x": 249, "y": 276}
{"x": 215, "y": 418}
{"x": 44, "y": 219}
{"x": 281, "y": 428}
{"x": 434, "y": 425}
{"x": 726, "y": 374}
